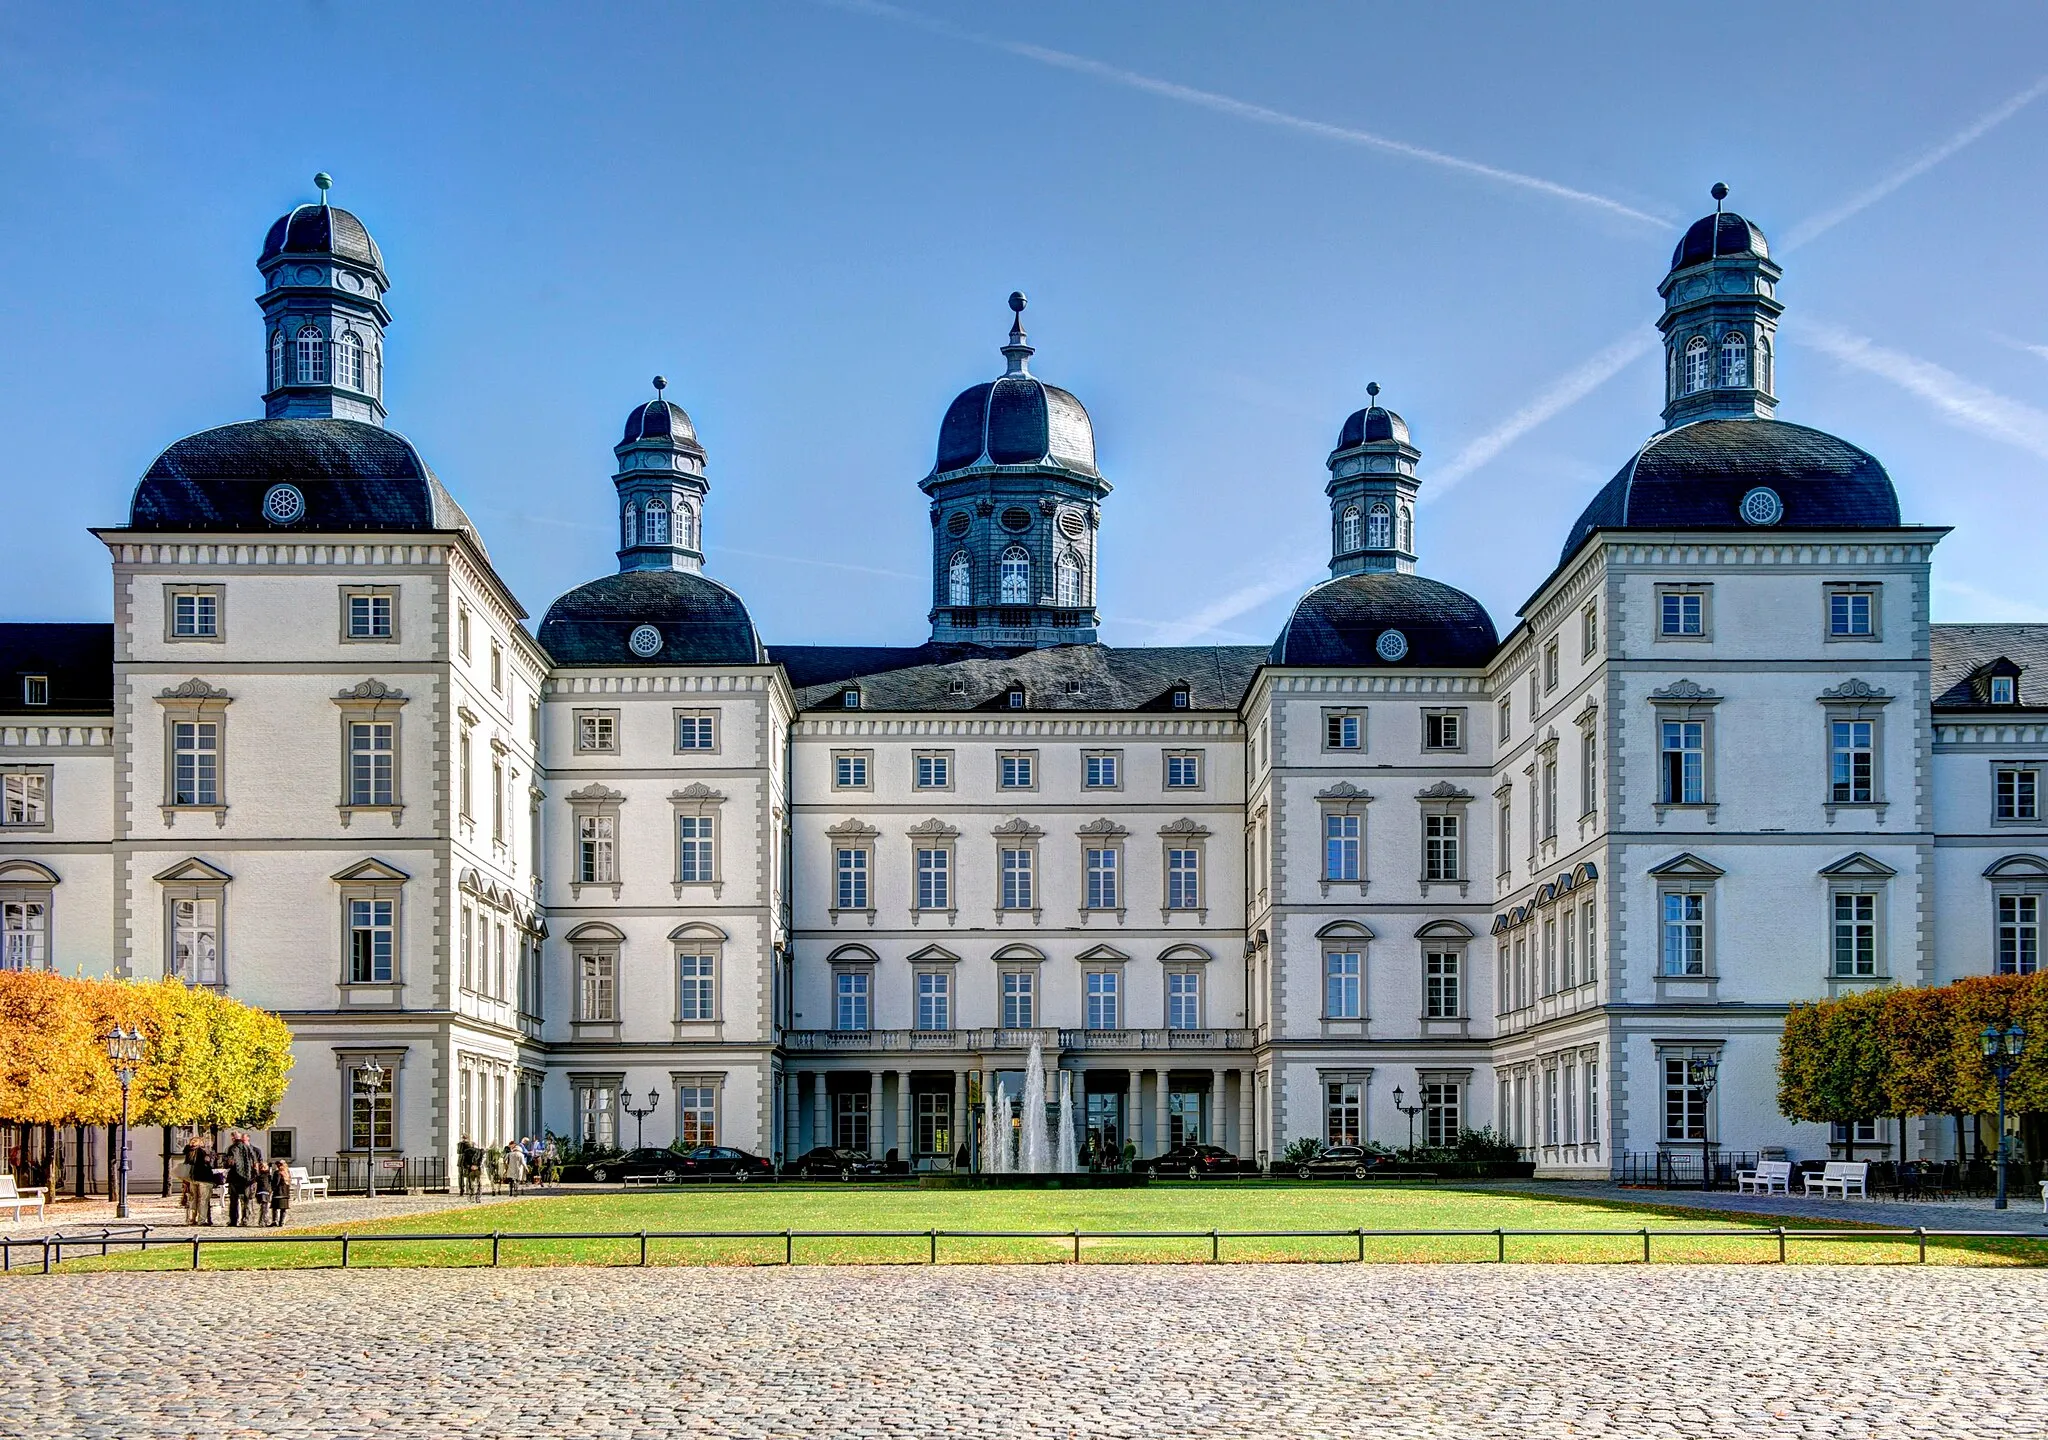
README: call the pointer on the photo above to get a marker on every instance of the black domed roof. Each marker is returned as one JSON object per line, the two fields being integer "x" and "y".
{"x": 1695, "y": 477}
{"x": 321, "y": 230}
{"x": 1375, "y": 422}
{"x": 351, "y": 476}
{"x": 1737, "y": 237}
{"x": 659, "y": 420}
{"x": 1017, "y": 420}
{"x": 1341, "y": 622}
{"x": 699, "y": 620}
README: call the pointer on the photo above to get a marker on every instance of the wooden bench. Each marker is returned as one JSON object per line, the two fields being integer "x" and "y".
{"x": 1841, "y": 1176}
{"x": 19, "y": 1200}
{"x": 306, "y": 1185}
{"x": 1771, "y": 1177}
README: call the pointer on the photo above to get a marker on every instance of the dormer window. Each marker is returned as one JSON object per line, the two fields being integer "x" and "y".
{"x": 850, "y": 699}
{"x": 1180, "y": 699}
{"x": 2003, "y": 690}
{"x": 1379, "y": 528}
{"x": 311, "y": 356}
{"x": 1695, "y": 365}
{"x": 1016, "y": 699}
{"x": 35, "y": 689}
{"x": 1350, "y": 531}
{"x": 1734, "y": 361}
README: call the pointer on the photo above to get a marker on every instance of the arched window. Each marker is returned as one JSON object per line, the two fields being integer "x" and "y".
{"x": 311, "y": 360}
{"x": 277, "y": 359}
{"x": 1379, "y": 528}
{"x": 373, "y": 380}
{"x": 959, "y": 580}
{"x": 1763, "y": 364}
{"x": 686, "y": 527}
{"x": 1407, "y": 529}
{"x": 629, "y": 527}
{"x": 1016, "y": 576}
{"x": 1734, "y": 361}
{"x": 1695, "y": 364}
{"x": 348, "y": 360}
{"x": 657, "y": 522}
{"x": 1066, "y": 579}
{"x": 1350, "y": 532}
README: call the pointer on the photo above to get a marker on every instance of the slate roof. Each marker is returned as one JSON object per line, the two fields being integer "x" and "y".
{"x": 322, "y": 230}
{"x": 1693, "y": 477}
{"x": 1061, "y": 677}
{"x": 1375, "y": 422}
{"x": 355, "y": 477}
{"x": 1340, "y": 621}
{"x": 1016, "y": 420}
{"x": 1737, "y": 237}
{"x": 1963, "y": 654}
{"x": 701, "y": 622}
{"x": 659, "y": 420}
{"x": 79, "y": 660}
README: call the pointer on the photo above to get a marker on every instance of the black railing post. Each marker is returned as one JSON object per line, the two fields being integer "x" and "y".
{"x": 789, "y": 1247}
{"x": 1781, "y": 1244}
{"x": 643, "y": 1247}
{"x": 1921, "y": 1232}
{"x": 344, "y": 1252}
{"x": 1646, "y": 1244}
{"x": 1215, "y": 1246}
{"x": 935, "y": 1247}
{"x": 1361, "y": 1244}
{"x": 494, "y": 1249}
{"x": 1500, "y": 1242}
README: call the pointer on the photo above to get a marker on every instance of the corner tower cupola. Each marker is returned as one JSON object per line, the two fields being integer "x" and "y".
{"x": 661, "y": 488}
{"x": 1372, "y": 492}
{"x": 1720, "y": 322}
{"x": 323, "y": 315}
{"x": 1016, "y": 505}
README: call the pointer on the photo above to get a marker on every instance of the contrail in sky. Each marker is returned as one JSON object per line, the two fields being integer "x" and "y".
{"x": 1284, "y": 576}
{"x": 1245, "y": 110}
{"x": 1965, "y": 403}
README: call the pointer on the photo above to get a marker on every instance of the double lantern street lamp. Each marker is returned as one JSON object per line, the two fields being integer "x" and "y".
{"x": 1411, "y": 1111}
{"x": 1700, "y": 1075}
{"x": 2002, "y": 1051}
{"x": 373, "y": 1078}
{"x": 639, "y": 1116}
{"x": 124, "y": 1048}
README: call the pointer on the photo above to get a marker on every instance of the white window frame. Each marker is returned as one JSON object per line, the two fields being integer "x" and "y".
{"x": 208, "y": 607}
{"x": 369, "y": 615}
{"x": 1016, "y": 769}
{"x": 853, "y": 770}
{"x": 1672, "y": 609}
{"x": 931, "y": 770}
{"x": 692, "y": 725}
{"x": 1455, "y": 719}
{"x": 597, "y": 732}
{"x": 2016, "y": 801}
{"x": 1344, "y": 730}
{"x": 1838, "y": 604}
{"x": 1192, "y": 773}
{"x": 1102, "y": 769}
{"x": 27, "y": 797}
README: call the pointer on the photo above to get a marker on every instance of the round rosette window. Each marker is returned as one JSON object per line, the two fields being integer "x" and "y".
{"x": 1392, "y": 645}
{"x": 645, "y": 641}
{"x": 1762, "y": 506}
{"x": 283, "y": 504}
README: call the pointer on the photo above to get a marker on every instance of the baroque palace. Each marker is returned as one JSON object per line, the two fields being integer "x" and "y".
{"x": 1721, "y": 763}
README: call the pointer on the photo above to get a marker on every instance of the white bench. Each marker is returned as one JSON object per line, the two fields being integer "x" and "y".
{"x": 1841, "y": 1176}
{"x": 1771, "y": 1177}
{"x": 19, "y": 1200}
{"x": 306, "y": 1185}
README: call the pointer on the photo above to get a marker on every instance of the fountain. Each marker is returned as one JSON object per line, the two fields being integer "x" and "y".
{"x": 1066, "y": 1158}
{"x": 1032, "y": 1151}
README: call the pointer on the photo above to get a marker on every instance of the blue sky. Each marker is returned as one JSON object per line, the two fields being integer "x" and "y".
{"x": 807, "y": 215}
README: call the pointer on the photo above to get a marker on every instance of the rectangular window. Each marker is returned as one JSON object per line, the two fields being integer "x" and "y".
{"x": 1855, "y": 935}
{"x": 1183, "y": 770}
{"x": 851, "y": 1122}
{"x": 1589, "y": 773}
{"x": 1020, "y": 989}
{"x": 1016, "y": 872}
{"x": 1506, "y": 715}
{"x": 1443, "y": 993}
{"x": 934, "y": 1122}
{"x": 24, "y": 930}
{"x": 372, "y": 941}
{"x": 1183, "y": 1000}
{"x": 372, "y": 762}
{"x": 1443, "y": 730}
{"x": 498, "y": 963}
{"x": 1685, "y": 934}
{"x": 195, "y": 940}
{"x": 498, "y": 801}
{"x": 35, "y": 689}
{"x": 2018, "y": 794}
{"x": 24, "y": 799}
{"x": 369, "y": 617}
{"x": 850, "y": 1000}
{"x": 696, "y": 1115}
{"x": 1099, "y": 770}
{"x": 1343, "y": 730}
{"x": 696, "y": 987}
{"x": 1683, "y": 613}
{"x": 1550, "y": 1125}
{"x": 462, "y": 631}
{"x": 597, "y": 732}
{"x": 497, "y": 667}
{"x": 1521, "y": 972}
{"x": 853, "y": 879}
{"x": 1183, "y": 879}
{"x": 468, "y": 943}
{"x": 694, "y": 730}
{"x": 694, "y": 850}
{"x": 1340, "y": 847}
{"x": 597, "y": 1115}
{"x": 1568, "y": 947}
{"x": 1440, "y": 852}
{"x": 1550, "y": 955}
{"x": 597, "y": 850}
{"x": 1589, "y": 630}
{"x": 2002, "y": 692}
{"x": 195, "y": 616}
{"x": 600, "y": 994}
{"x": 1550, "y": 667}
{"x": 2019, "y": 934}
{"x": 1852, "y": 613}
{"x": 1341, "y": 975}
{"x": 934, "y": 770}
{"x": 1440, "y": 1114}
{"x": 1685, "y": 1104}
{"x": 465, "y": 785}
{"x": 1593, "y": 1102}
{"x": 1505, "y": 830}
{"x": 370, "y": 1109}
{"x": 1102, "y": 879}
{"x": 1587, "y": 934}
{"x": 935, "y": 880}
{"x": 849, "y": 772}
{"x": 1550, "y": 798}
{"x": 1104, "y": 989}
{"x": 1343, "y": 1112}
{"x": 1684, "y": 769}
{"x": 934, "y": 1000}
{"x": 195, "y": 774}
{"x": 1851, "y": 763}
{"x": 1014, "y": 772}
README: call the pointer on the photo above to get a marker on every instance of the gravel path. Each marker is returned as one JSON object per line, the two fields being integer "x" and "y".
{"x": 1473, "y": 1352}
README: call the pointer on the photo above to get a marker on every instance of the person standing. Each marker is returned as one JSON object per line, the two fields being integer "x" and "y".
{"x": 242, "y": 1161}
{"x": 515, "y": 1168}
{"x": 468, "y": 1169}
{"x": 280, "y": 1191}
{"x": 199, "y": 1177}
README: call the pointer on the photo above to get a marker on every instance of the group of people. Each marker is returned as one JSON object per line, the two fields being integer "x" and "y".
{"x": 259, "y": 1192}
{"x": 520, "y": 1160}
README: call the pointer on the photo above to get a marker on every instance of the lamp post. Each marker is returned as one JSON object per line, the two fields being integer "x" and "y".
{"x": 639, "y": 1116}
{"x": 372, "y": 1077}
{"x": 124, "y": 1048}
{"x": 2002, "y": 1051}
{"x": 1701, "y": 1074}
{"x": 1411, "y": 1111}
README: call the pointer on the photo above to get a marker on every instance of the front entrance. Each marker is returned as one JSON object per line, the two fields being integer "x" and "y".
{"x": 934, "y": 1124}
{"x": 1186, "y": 1117}
{"x": 1105, "y": 1134}
{"x": 850, "y": 1120}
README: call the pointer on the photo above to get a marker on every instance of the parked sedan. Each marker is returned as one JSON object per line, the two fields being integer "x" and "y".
{"x": 828, "y": 1162}
{"x": 1197, "y": 1162}
{"x": 646, "y": 1163}
{"x": 1354, "y": 1161}
{"x": 722, "y": 1162}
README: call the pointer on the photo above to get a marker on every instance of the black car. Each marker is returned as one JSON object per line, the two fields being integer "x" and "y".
{"x": 1353, "y": 1161}
{"x": 828, "y": 1162}
{"x": 722, "y": 1162}
{"x": 647, "y": 1163}
{"x": 1197, "y": 1162}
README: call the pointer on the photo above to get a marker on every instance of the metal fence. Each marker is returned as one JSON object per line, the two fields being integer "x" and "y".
{"x": 50, "y": 1250}
{"x": 350, "y": 1174}
{"x": 1680, "y": 1169}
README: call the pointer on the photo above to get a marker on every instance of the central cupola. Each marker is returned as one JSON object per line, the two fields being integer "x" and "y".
{"x": 1372, "y": 492}
{"x": 1015, "y": 508}
{"x": 661, "y": 488}
{"x": 1720, "y": 321}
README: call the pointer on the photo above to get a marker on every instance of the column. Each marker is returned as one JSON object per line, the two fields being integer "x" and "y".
{"x": 1217, "y": 1128}
{"x": 1247, "y": 1133}
{"x": 1162, "y": 1132}
{"x": 792, "y": 1117}
{"x": 875, "y": 1113}
{"x": 1134, "y": 1104}
{"x": 958, "y": 1131}
{"x": 906, "y": 1138}
{"x": 821, "y": 1113}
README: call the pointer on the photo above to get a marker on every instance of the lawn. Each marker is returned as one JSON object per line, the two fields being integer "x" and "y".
{"x": 1225, "y": 1206}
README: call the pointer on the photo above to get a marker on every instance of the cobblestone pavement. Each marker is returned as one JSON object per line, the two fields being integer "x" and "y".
{"x": 1967, "y": 1213}
{"x": 1473, "y": 1352}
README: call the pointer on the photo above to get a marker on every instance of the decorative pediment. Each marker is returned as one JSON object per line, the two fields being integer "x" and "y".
{"x": 1688, "y": 691}
{"x": 1345, "y": 929}
{"x": 1587, "y": 713}
{"x": 1185, "y": 953}
{"x": 1854, "y": 689}
{"x": 1500, "y": 923}
{"x": 1444, "y": 930}
{"x": 696, "y": 793}
{"x": 372, "y": 689}
{"x": 26, "y": 872}
{"x": 933, "y": 955}
{"x": 193, "y": 871}
{"x": 2017, "y": 867}
{"x": 472, "y": 880}
{"x": 596, "y": 793}
{"x": 1583, "y": 871}
{"x": 1858, "y": 865}
{"x": 1018, "y": 828}
{"x": 466, "y": 715}
{"x": 195, "y": 689}
{"x": 596, "y": 932}
{"x": 1342, "y": 790}
{"x": 1545, "y": 894}
{"x": 1102, "y": 955}
{"x": 1103, "y": 829}
{"x": 1443, "y": 790}
{"x": 852, "y": 955}
{"x": 1184, "y": 829}
{"x": 1687, "y": 866}
{"x": 852, "y": 829}
{"x": 699, "y": 932}
{"x": 370, "y": 872}
{"x": 1018, "y": 955}
{"x": 934, "y": 829}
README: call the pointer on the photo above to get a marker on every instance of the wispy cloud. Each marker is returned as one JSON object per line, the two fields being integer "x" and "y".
{"x": 2038, "y": 351}
{"x": 1982, "y": 605}
{"x": 1963, "y": 402}
{"x": 1818, "y": 225}
{"x": 1245, "y": 110}
{"x": 821, "y": 564}
{"x": 1282, "y": 576}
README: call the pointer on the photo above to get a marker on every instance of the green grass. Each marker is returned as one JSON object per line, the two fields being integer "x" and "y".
{"x": 1251, "y": 1205}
